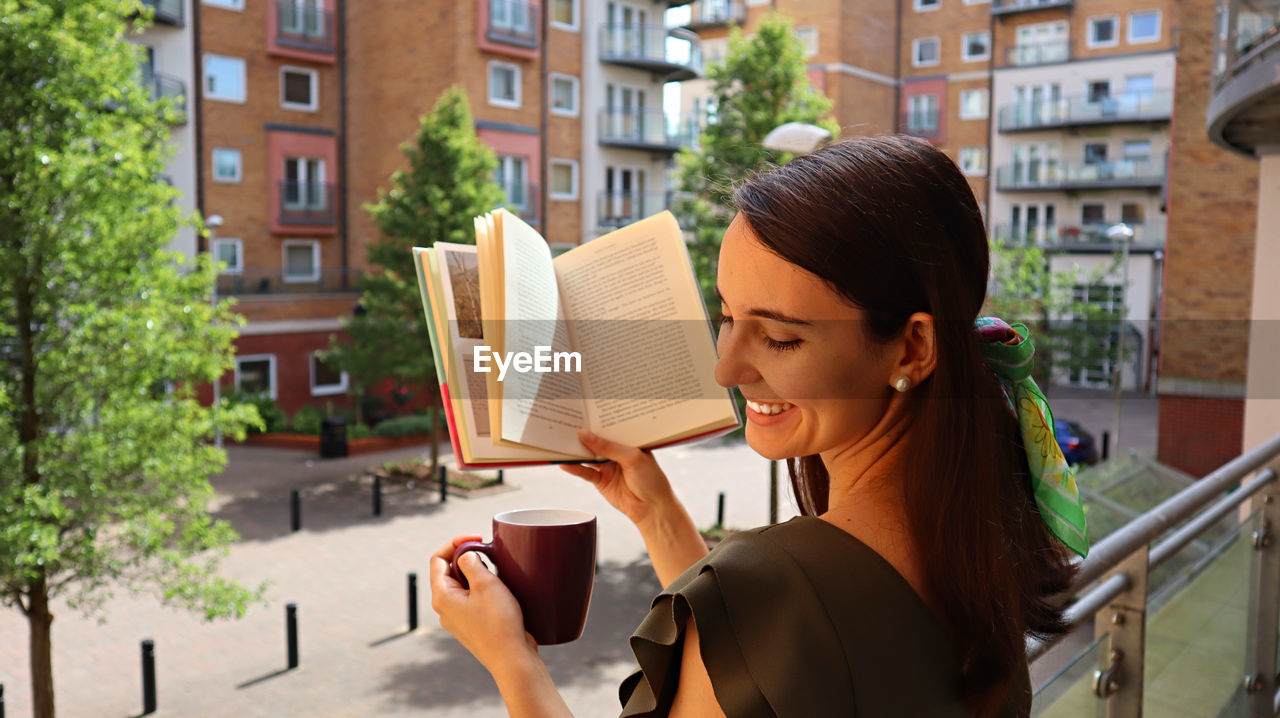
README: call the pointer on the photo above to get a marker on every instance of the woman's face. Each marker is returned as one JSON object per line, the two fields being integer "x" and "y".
{"x": 797, "y": 351}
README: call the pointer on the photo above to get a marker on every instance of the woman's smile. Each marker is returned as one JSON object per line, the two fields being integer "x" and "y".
{"x": 768, "y": 413}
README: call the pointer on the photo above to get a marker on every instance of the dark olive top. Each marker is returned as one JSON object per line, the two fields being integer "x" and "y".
{"x": 798, "y": 620}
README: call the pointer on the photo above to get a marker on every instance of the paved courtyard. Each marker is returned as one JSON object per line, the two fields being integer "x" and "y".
{"x": 346, "y": 570}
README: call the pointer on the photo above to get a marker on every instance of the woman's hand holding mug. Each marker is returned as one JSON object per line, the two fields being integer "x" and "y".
{"x": 485, "y": 618}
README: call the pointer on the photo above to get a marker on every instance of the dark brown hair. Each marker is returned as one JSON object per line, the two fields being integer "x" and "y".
{"x": 890, "y": 224}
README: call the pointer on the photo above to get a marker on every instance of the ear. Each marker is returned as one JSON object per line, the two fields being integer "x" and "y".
{"x": 917, "y": 349}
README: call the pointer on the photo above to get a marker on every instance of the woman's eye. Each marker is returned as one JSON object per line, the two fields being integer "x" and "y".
{"x": 778, "y": 346}
{"x": 724, "y": 320}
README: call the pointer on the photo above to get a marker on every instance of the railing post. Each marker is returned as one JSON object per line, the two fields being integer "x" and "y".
{"x": 1264, "y": 594}
{"x": 1119, "y": 680}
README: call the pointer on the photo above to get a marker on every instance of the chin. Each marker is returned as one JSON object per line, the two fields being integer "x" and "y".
{"x": 769, "y": 450}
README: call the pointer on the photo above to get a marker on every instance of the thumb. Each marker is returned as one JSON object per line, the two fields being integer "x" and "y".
{"x": 474, "y": 570}
{"x": 608, "y": 449}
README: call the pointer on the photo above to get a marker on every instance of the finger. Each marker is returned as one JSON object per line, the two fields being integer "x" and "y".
{"x": 613, "y": 451}
{"x": 582, "y": 472}
{"x": 448, "y": 547}
{"x": 474, "y": 569}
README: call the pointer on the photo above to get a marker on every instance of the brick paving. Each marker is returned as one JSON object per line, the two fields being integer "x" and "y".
{"x": 347, "y": 570}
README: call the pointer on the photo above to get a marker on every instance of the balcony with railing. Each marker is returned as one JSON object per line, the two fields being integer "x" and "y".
{"x": 513, "y": 22}
{"x": 304, "y": 26}
{"x": 1078, "y": 237}
{"x": 675, "y": 54}
{"x": 167, "y": 12}
{"x": 522, "y": 199}
{"x": 307, "y": 203}
{"x": 1080, "y": 111}
{"x": 1041, "y": 53}
{"x": 1057, "y": 176}
{"x": 711, "y": 14}
{"x": 1244, "y": 103}
{"x": 167, "y": 87}
{"x": 262, "y": 282}
{"x": 644, "y": 129}
{"x": 617, "y": 209}
{"x": 1009, "y": 7}
{"x": 921, "y": 123}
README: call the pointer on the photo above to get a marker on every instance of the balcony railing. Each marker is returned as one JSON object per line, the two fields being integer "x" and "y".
{"x": 673, "y": 53}
{"x": 304, "y": 27}
{"x": 309, "y": 203}
{"x": 522, "y": 198}
{"x": 708, "y": 14}
{"x": 167, "y": 86}
{"x": 1080, "y": 175}
{"x": 1077, "y": 111}
{"x": 1246, "y": 68}
{"x": 1069, "y": 235}
{"x": 616, "y": 209}
{"x": 643, "y": 128}
{"x": 168, "y": 12}
{"x": 513, "y": 22}
{"x": 1009, "y": 7}
{"x": 921, "y": 123}
{"x": 1040, "y": 54}
{"x": 1247, "y": 29}
{"x": 278, "y": 281}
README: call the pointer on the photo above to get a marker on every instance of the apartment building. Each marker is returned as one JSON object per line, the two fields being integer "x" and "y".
{"x": 167, "y": 68}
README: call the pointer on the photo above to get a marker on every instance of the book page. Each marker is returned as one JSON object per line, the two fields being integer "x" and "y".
{"x": 638, "y": 319}
{"x": 539, "y": 408}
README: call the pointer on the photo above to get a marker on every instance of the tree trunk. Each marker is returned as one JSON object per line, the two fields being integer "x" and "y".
{"x": 41, "y": 650}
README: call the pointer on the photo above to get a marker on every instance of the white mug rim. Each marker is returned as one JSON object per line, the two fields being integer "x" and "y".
{"x": 570, "y": 517}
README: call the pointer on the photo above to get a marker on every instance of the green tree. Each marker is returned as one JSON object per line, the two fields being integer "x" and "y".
{"x": 104, "y": 336}
{"x": 448, "y": 183}
{"x": 760, "y": 85}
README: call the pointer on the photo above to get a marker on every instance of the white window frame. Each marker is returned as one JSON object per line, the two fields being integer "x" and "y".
{"x": 913, "y": 109}
{"x": 237, "y": 5}
{"x": 982, "y": 115}
{"x": 1115, "y": 31}
{"x": 1124, "y": 150}
{"x": 516, "y": 84}
{"x": 244, "y": 78}
{"x": 1159, "y": 27}
{"x": 919, "y": 7}
{"x": 981, "y": 169}
{"x": 915, "y": 51}
{"x": 508, "y": 161}
{"x": 976, "y": 2}
{"x": 213, "y": 165}
{"x": 808, "y": 39}
{"x": 964, "y": 47}
{"x": 315, "y": 88}
{"x": 325, "y": 389}
{"x": 271, "y": 372}
{"x": 572, "y": 195}
{"x": 577, "y": 94}
{"x": 315, "y": 259}
{"x": 234, "y": 242}
{"x": 577, "y": 17}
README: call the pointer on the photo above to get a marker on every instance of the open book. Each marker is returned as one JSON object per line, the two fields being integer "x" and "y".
{"x": 611, "y": 336}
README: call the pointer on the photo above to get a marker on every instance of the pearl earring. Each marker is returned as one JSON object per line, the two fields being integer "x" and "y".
{"x": 902, "y": 383}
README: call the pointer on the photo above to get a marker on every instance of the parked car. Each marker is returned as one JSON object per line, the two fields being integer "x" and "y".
{"x": 1078, "y": 446}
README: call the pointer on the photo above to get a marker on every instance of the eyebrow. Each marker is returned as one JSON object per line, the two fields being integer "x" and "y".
{"x": 767, "y": 313}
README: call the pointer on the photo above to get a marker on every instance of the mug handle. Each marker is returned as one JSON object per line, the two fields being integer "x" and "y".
{"x": 465, "y": 546}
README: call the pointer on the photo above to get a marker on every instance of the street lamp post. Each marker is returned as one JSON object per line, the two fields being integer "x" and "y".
{"x": 1123, "y": 234}
{"x": 213, "y": 222}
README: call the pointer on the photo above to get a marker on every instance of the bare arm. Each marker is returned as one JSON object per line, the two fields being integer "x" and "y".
{"x": 695, "y": 697}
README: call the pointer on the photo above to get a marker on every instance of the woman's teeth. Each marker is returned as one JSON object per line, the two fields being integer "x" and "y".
{"x": 768, "y": 408}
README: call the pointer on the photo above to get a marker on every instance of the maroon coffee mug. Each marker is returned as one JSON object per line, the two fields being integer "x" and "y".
{"x": 547, "y": 558}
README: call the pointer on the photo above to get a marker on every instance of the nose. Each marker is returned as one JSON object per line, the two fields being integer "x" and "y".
{"x": 734, "y": 367}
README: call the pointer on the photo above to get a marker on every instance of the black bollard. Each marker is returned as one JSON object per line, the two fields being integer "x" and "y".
{"x": 148, "y": 677}
{"x": 295, "y": 510}
{"x": 1106, "y": 444}
{"x": 773, "y": 491}
{"x": 1, "y": 700}
{"x": 377, "y": 496}
{"x": 291, "y": 628}
{"x": 720, "y": 511}
{"x": 413, "y": 601}
{"x": 444, "y": 484}
{"x": 499, "y": 476}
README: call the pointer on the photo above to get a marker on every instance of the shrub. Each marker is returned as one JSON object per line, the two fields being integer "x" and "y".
{"x": 307, "y": 420}
{"x": 404, "y": 425}
{"x": 273, "y": 418}
{"x": 358, "y": 431}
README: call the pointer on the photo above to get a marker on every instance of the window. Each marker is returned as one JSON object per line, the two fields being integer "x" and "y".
{"x": 564, "y": 95}
{"x": 923, "y": 5}
{"x": 976, "y": 2}
{"x": 224, "y": 78}
{"x": 326, "y": 380}
{"x": 564, "y": 15}
{"x": 1099, "y": 90}
{"x": 256, "y": 374}
{"x": 1132, "y": 213}
{"x": 1144, "y": 26}
{"x": 304, "y": 186}
{"x": 1041, "y": 43}
{"x": 226, "y": 164}
{"x": 808, "y": 37}
{"x": 924, "y": 52}
{"x": 922, "y": 112}
{"x": 302, "y": 17}
{"x": 510, "y": 175}
{"x": 511, "y": 17}
{"x": 229, "y": 252}
{"x": 1093, "y": 213}
{"x": 301, "y": 260}
{"x": 228, "y": 4}
{"x": 977, "y": 46}
{"x": 564, "y": 179}
{"x": 1137, "y": 150}
{"x": 297, "y": 88}
{"x": 1103, "y": 31}
{"x": 973, "y": 160}
{"x": 504, "y": 84}
{"x": 1095, "y": 153}
{"x": 973, "y": 104}
{"x": 1140, "y": 87}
